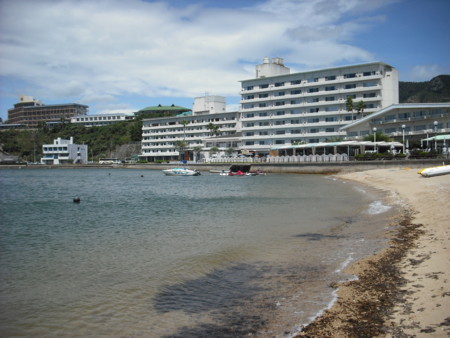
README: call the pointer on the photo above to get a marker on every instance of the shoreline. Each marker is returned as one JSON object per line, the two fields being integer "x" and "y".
{"x": 403, "y": 290}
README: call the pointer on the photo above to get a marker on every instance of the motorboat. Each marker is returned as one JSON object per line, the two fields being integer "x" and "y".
{"x": 435, "y": 171}
{"x": 181, "y": 172}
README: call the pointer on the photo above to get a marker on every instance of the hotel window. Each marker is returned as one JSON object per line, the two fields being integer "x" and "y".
{"x": 313, "y": 120}
{"x": 314, "y": 110}
{"x": 370, "y": 84}
{"x": 330, "y": 78}
{"x": 279, "y": 123}
{"x": 295, "y": 82}
{"x": 295, "y": 111}
{"x": 279, "y": 94}
{"x": 329, "y": 130}
{"x": 250, "y": 134}
{"x": 279, "y": 142}
{"x": 250, "y": 124}
{"x": 295, "y": 121}
{"x": 330, "y": 119}
{"x": 366, "y": 95}
{"x": 250, "y": 97}
{"x": 369, "y": 73}
{"x": 313, "y": 90}
{"x": 249, "y": 115}
{"x": 249, "y": 87}
{"x": 280, "y": 112}
{"x": 279, "y": 84}
{"x": 279, "y": 103}
{"x": 264, "y": 124}
{"x": 313, "y": 79}
{"x": 352, "y": 96}
{"x": 262, "y": 96}
{"x": 263, "y": 86}
{"x": 350, "y": 86}
{"x": 349, "y": 75}
{"x": 263, "y": 133}
{"x": 296, "y": 131}
{"x": 261, "y": 105}
{"x": 330, "y": 98}
{"x": 249, "y": 143}
{"x": 313, "y": 99}
{"x": 330, "y": 88}
{"x": 296, "y": 92}
{"x": 280, "y": 132}
{"x": 263, "y": 114}
{"x": 314, "y": 130}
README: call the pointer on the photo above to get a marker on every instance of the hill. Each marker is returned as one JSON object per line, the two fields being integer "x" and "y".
{"x": 435, "y": 90}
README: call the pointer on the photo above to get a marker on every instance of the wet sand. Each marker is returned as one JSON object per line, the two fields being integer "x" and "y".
{"x": 404, "y": 290}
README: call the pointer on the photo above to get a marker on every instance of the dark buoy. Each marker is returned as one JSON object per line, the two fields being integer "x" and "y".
{"x": 76, "y": 200}
{"x": 142, "y": 175}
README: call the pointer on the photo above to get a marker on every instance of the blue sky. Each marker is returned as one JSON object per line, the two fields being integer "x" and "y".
{"x": 122, "y": 56}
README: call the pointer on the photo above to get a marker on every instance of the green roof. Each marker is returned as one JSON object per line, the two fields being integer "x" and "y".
{"x": 159, "y": 108}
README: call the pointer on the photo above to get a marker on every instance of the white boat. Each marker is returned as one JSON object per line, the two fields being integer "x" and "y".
{"x": 181, "y": 172}
{"x": 435, "y": 171}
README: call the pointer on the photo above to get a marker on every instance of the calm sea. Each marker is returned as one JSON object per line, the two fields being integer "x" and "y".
{"x": 143, "y": 254}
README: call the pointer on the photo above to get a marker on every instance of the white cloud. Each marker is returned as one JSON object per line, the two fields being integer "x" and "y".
{"x": 425, "y": 72}
{"x": 99, "y": 50}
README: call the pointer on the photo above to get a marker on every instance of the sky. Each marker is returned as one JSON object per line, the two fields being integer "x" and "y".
{"x": 122, "y": 56}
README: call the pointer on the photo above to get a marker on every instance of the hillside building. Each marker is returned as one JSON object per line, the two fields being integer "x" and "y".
{"x": 101, "y": 119}
{"x": 29, "y": 112}
{"x": 280, "y": 108}
{"x": 64, "y": 151}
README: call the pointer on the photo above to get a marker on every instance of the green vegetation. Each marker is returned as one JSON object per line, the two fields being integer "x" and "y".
{"x": 435, "y": 90}
{"x": 102, "y": 141}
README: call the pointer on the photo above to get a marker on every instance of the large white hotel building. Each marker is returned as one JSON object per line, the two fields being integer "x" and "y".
{"x": 278, "y": 108}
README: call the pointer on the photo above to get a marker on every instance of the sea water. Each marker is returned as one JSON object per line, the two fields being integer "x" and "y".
{"x": 145, "y": 254}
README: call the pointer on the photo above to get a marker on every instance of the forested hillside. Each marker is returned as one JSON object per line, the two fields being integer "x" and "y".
{"x": 435, "y": 90}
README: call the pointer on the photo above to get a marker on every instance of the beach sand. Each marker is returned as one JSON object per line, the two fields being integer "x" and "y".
{"x": 404, "y": 290}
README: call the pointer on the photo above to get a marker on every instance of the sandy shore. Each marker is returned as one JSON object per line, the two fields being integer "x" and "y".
{"x": 403, "y": 291}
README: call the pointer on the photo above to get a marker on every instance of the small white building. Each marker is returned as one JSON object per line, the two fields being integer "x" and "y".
{"x": 64, "y": 151}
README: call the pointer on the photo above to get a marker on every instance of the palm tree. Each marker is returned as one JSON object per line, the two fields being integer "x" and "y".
{"x": 197, "y": 151}
{"x": 181, "y": 145}
{"x": 213, "y": 150}
{"x": 349, "y": 105}
{"x": 214, "y": 129}
{"x": 360, "y": 107}
{"x": 184, "y": 123}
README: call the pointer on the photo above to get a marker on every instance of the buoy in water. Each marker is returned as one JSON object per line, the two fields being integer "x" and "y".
{"x": 76, "y": 200}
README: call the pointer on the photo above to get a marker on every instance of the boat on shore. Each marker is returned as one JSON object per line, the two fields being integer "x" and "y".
{"x": 180, "y": 172}
{"x": 435, "y": 171}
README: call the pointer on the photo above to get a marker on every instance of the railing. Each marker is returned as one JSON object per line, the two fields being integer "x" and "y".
{"x": 282, "y": 159}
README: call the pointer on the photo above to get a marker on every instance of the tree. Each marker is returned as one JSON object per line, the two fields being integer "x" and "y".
{"x": 197, "y": 151}
{"x": 213, "y": 150}
{"x": 349, "y": 105}
{"x": 184, "y": 123}
{"x": 360, "y": 108}
{"x": 230, "y": 151}
{"x": 214, "y": 129}
{"x": 181, "y": 145}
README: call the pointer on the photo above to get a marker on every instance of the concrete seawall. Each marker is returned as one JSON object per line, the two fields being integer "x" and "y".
{"x": 294, "y": 168}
